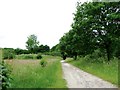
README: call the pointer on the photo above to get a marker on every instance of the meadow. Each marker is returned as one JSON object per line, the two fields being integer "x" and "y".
{"x": 30, "y": 73}
{"x": 106, "y": 71}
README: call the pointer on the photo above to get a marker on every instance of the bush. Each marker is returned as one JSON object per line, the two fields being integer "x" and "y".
{"x": 43, "y": 63}
{"x": 4, "y": 76}
{"x": 8, "y": 56}
{"x": 39, "y": 56}
{"x": 25, "y": 56}
{"x": 8, "y": 53}
{"x": 96, "y": 56}
{"x": 54, "y": 53}
{"x": 28, "y": 56}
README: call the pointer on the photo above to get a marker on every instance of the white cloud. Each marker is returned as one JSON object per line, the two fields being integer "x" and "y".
{"x": 48, "y": 19}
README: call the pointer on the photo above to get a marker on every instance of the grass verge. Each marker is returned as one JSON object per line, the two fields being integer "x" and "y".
{"x": 108, "y": 72}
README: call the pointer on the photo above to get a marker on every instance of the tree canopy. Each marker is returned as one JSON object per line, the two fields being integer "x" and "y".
{"x": 33, "y": 46}
{"x": 96, "y": 25}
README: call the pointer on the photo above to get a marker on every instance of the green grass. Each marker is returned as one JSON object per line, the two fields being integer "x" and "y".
{"x": 30, "y": 74}
{"x": 108, "y": 72}
{"x": 26, "y": 56}
{"x": 0, "y": 55}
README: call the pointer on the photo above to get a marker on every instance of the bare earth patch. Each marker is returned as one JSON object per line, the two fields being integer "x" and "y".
{"x": 77, "y": 78}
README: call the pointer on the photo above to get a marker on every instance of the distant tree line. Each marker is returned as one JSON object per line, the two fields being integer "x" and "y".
{"x": 32, "y": 46}
{"x": 39, "y": 49}
{"x": 9, "y": 53}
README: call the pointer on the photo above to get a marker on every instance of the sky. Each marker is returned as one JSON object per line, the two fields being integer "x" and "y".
{"x": 47, "y": 19}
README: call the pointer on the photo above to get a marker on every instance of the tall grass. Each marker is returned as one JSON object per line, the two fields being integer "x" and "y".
{"x": 108, "y": 72}
{"x": 0, "y": 68}
{"x": 0, "y": 55}
{"x": 30, "y": 74}
{"x": 28, "y": 56}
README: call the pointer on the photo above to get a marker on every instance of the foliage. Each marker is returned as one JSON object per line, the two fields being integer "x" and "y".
{"x": 19, "y": 51}
{"x": 8, "y": 53}
{"x": 34, "y": 47}
{"x": 29, "y": 56}
{"x": 55, "y": 48}
{"x": 43, "y": 63}
{"x": 100, "y": 69}
{"x": 91, "y": 31}
{"x": 43, "y": 49}
{"x": 53, "y": 53}
{"x": 32, "y": 43}
{"x": 39, "y": 56}
{"x": 5, "y": 78}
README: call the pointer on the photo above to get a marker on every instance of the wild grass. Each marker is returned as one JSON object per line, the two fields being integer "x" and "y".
{"x": 0, "y": 55}
{"x": 27, "y": 56}
{"x": 108, "y": 72}
{"x": 30, "y": 74}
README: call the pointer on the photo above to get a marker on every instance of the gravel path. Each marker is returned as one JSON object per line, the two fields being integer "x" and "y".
{"x": 77, "y": 78}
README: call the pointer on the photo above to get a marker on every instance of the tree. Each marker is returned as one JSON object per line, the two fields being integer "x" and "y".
{"x": 32, "y": 43}
{"x": 43, "y": 48}
{"x": 54, "y": 48}
{"x": 106, "y": 24}
{"x": 8, "y": 53}
{"x": 21, "y": 51}
{"x": 95, "y": 26}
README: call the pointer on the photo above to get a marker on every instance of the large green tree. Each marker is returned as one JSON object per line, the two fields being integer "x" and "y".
{"x": 96, "y": 25}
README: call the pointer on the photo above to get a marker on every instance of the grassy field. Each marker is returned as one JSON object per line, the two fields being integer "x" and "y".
{"x": 30, "y": 74}
{"x": 108, "y": 72}
{"x": 0, "y": 55}
{"x": 26, "y": 56}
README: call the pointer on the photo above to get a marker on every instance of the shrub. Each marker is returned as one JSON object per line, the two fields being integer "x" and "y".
{"x": 54, "y": 53}
{"x": 43, "y": 63}
{"x": 29, "y": 56}
{"x": 26, "y": 56}
{"x": 39, "y": 56}
{"x": 97, "y": 56}
{"x": 8, "y": 55}
{"x": 4, "y": 76}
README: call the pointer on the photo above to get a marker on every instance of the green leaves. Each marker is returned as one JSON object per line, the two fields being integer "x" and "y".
{"x": 4, "y": 76}
{"x": 96, "y": 25}
{"x": 32, "y": 43}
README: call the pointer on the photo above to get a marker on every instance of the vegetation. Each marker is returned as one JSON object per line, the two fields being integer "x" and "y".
{"x": 43, "y": 63}
{"x": 5, "y": 79}
{"x": 30, "y": 74}
{"x": 33, "y": 45}
{"x": 95, "y": 37}
{"x": 108, "y": 72}
{"x": 8, "y": 53}
{"x": 39, "y": 56}
{"x": 91, "y": 31}
{"x": 54, "y": 51}
{"x": 19, "y": 51}
{"x": 0, "y": 68}
{"x": 29, "y": 56}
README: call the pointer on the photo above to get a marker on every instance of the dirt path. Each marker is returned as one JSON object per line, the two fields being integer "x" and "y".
{"x": 77, "y": 78}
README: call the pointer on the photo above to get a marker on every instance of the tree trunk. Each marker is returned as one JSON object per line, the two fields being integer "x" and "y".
{"x": 108, "y": 53}
{"x": 107, "y": 46}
